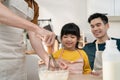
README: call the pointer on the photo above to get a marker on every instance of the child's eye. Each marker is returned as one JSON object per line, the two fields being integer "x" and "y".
{"x": 64, "y": 36}
{"x": 72, "y": 36}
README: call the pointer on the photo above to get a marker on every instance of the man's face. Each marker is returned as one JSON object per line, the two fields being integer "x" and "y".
{"x": 98, "y": 28}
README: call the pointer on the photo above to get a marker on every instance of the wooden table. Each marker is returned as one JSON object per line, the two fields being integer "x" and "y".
{"x": 83, "y": 77}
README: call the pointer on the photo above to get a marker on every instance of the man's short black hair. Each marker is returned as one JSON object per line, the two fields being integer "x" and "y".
{"x": 103, "y": 17}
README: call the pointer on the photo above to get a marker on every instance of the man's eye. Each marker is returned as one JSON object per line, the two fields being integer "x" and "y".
{"x": 99, "y": 24}
{"x": 92, "y": 26}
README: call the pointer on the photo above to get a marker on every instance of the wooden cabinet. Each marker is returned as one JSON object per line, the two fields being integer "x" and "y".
{"x": 111, "y": 7}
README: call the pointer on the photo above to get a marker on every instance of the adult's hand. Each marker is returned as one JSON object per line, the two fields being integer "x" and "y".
{"x": 47, "y": 36}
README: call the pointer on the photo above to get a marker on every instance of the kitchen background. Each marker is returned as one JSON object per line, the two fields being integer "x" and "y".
{"x": 63, "y": 11}
{"x": 77, "y": 11}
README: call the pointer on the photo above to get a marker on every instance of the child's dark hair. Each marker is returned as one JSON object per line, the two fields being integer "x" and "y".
{"x": 71, "y": 28}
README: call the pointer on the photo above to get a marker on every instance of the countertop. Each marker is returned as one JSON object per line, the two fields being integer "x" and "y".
{"x": 84, "y": 77}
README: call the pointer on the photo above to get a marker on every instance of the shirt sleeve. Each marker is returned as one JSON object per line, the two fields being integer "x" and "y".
{"x": 86, "y": 67}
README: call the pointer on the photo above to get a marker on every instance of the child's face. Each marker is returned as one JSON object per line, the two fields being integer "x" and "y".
{"x": 69, "y": 41}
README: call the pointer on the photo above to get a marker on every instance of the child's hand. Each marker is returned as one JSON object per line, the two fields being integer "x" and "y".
{"x": 62, "y": 64}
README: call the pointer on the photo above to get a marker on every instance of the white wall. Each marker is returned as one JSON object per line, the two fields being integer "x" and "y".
{"x": 114, "y": 30}
{"x": 64, "y": 11}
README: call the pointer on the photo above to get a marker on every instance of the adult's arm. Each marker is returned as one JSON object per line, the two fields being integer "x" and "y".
{"x": 9, "y": 18}
{"x": 38, "y": 47}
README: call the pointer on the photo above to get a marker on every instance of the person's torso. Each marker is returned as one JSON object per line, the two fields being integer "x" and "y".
{"x": 73, "y": 59}
{"x": 11, "y": 38}
{"x": 90, "y": 49}
{"x": 68, "y": 55}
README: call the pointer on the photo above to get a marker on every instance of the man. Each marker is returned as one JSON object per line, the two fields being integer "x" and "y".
{"x": 99, "y": 27}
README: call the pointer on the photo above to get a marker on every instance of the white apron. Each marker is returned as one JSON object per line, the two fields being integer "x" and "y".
{"x": 98, "y": 61}
{"x": 12, "y": 47}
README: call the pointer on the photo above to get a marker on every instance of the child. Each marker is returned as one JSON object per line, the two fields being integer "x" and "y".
{"x": 74, "y": 59}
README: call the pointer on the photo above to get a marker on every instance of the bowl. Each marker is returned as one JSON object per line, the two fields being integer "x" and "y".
{"x": 53, "y": 75}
